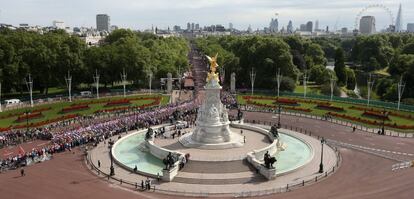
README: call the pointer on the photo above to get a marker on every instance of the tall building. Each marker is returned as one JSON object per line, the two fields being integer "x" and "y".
{"x": 317, "y": 25}
{"x": 398, "y": 22}
{"x": 410, "y": 27}
{"x": 289, "y": 27}
{"x": 309, "y": 26}
{"x": 103, "y": 22}
{"x": 367, "y": 25}
{"x": 197, "y": 26}
{"x": 59, "y": 25}
{"x": 274, "y": 25}
{"x": 192, "y": 26}
{"x": 302, "y": 27}
{"x": 231, "y": 26}
{"x": 188, "y": 26}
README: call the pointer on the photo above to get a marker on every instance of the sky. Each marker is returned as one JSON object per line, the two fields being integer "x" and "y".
{"x": 142, "y": 14}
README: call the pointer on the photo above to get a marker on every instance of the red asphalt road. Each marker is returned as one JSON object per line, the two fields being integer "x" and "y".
{"x": 361, "y": 175}
{"x": 28, "y": 146}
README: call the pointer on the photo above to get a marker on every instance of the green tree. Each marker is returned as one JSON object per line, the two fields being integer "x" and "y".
{"x": 340, "y": 66}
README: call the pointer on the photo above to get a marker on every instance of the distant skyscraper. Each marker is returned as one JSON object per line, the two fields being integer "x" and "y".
{"x": 410, "y": 27}
{"x": 197, "y": 26}
{"x": 344, "y": 30}
{"x": 309, "y": 26}
{"x": 317, "y": 25}
{"x": 274, "y": 25}
{"x": 289, "y": 27}
{"x": 103, "y": 22}
{"x": 231, "y": 26}
{"x": 192, "y": 26}
{"x": 188, "y": 26}
{"x": 367, "y": 25}
{"x": 398, "y": 22}
{"x": 302, "y": 27}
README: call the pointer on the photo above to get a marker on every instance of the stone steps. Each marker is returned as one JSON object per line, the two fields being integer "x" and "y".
{"x": 218, "y": 173}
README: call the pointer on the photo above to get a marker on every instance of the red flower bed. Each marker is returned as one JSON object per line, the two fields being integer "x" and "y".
{"x": 46, "y": 122}
{"x": 121, "y": 102}
{"x": 274, "y": 107}
{"x": 393, "y": 113}
{"x": 375, "y": 115}
{"x": 154, "y": 103}
{"x": 284, "y": 101}
{"x": 330, "y": 107}
{"x": 18, "y": 114}
{"x": 74, "y": 108}
{"x": 29, "y": 116}
{"x": 5, "y": 129}
{"x": 366, "y": 121}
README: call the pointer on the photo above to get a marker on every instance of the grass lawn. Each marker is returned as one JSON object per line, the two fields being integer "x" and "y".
{"x": 348, "y": 111}
{"x": 310, "y": 89}
{"x": 56, "y": 108}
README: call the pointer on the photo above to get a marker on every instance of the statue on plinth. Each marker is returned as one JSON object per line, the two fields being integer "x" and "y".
{"x": 149, "y": 134}
{"x": 169, "y": 161}
{"x": 269, "y": 161}
{"x": 212, "y": 75}
{"x": 273, "y": 131}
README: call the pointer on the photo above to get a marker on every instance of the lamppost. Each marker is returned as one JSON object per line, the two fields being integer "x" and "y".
{"x": 112, "y": 169}
{"x": 279, "y": 107}
{"x": 385, "y": 115}
{"x": 27, "y": 112}
{"x": 321, "y": 164}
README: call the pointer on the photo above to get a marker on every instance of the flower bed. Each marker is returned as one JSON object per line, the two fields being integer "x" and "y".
{"x": 330, "y": 107}
{"x": 275, "y": 107}
{"x": 121, "y": 102}
{"x": 284, "y": 101}
{"x": 393, "y": 113}
{"x": 10, "y": 115}
{"x": 29, "y": 116}
{"x": 46, "y": 122}
{"x": 370, "y": 122}
{"x": 375, "y": 115}
{"x": 74, "y": 108}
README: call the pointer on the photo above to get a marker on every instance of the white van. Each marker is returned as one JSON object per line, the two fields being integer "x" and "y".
{"x": 12, "y": 102}
{"x": 86, "y": 93}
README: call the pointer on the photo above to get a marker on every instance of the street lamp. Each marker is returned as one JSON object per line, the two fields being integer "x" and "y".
{"x": 321, "y": 164}
{"x": 385, "y": 115}
{"x": 112, "y": 169}
{"x": 27, "y": 112}
{"x": 279, "y": 107}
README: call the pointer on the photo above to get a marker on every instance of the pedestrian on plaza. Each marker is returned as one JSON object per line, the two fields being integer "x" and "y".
{"x": 158, "y": 177}
{"x": 244, "y": 139}
{"x": 99, "y": 164}
{"x": 142, "y": 184}
{"x": 135, "y": 169}
{"x": 353, "y": 129}
{"x": 241, "y": 132}
{"x": 22, "y": 172}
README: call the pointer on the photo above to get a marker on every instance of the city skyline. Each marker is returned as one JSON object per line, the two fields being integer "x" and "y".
{"x": 242, "y": 13}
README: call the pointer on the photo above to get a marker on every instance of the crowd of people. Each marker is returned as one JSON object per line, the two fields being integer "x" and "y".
{"x": 88, "y": 129}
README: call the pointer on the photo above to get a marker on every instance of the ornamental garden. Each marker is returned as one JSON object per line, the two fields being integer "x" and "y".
{"x": 51, "y": 113}
{"x": 361, "y": 114}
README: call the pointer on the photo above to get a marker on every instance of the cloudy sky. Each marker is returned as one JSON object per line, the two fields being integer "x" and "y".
{"x": 141, "y": 14}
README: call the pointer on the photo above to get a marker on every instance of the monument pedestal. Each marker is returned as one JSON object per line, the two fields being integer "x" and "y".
{"x": 212, "y": 126}
{"x": 168, "y": 175}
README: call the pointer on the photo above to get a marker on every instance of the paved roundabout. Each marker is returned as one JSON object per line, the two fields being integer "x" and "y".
{"x": 227, "y": 172}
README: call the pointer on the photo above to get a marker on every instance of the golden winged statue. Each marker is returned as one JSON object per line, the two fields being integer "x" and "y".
{"x": 212, "y": 75}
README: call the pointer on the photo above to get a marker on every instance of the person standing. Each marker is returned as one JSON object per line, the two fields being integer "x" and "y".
{"x": 22, "y": 172}
{"x": 99, "y": 164}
